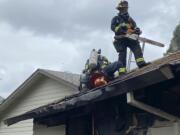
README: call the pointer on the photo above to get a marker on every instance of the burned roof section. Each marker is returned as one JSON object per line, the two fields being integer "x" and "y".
{"x": 159, "y": 71}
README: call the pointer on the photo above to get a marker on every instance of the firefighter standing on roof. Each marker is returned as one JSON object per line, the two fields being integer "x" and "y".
{"x": 123, "y": 24}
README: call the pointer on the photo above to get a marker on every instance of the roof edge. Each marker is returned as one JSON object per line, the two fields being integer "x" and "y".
{"x": 15, "y": 93}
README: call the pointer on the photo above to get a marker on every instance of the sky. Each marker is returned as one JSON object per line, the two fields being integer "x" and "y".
{"x": 59, "y": 34}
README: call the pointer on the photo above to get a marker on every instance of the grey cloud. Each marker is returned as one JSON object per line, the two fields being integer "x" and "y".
{"x": 62, "y": 18}
{"x": 77, "y": 19}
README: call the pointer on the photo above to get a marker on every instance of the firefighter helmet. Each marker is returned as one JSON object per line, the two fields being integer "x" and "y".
{"x": 122, "y": 4}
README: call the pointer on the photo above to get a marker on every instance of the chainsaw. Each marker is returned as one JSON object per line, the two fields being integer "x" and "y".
{"x": 131, "y": 34}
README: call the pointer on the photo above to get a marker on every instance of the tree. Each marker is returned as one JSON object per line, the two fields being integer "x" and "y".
{"x": 175, "y": 42}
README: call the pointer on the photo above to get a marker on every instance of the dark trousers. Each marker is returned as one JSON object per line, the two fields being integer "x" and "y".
{"x": 121, "y": 47}
{"x": 111, "y": 68}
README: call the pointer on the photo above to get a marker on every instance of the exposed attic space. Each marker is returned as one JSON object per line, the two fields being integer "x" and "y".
{"x": 164, "y": 96}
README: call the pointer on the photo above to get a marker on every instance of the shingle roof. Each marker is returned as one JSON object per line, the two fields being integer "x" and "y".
{"x": 69, "y": 77}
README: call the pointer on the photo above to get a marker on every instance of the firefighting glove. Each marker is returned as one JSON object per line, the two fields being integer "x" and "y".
{"x": 138, "y": 31}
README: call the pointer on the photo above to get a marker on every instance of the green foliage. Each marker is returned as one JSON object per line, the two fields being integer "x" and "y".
{"x": 175, "y": 42}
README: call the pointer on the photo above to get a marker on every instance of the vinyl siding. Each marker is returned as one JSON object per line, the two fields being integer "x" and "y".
{"x": 173, "y": 129}
{"x": 43, "y": 92}
{"x": 42, "y": 130}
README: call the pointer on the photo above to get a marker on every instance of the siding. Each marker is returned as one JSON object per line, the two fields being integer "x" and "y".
{"x": 174, "y": 129}
{"x": 44, "y": 91}
{"x": 42, "y": 130}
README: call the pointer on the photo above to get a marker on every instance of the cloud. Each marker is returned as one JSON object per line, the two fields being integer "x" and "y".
{"x": 67, "y": 19}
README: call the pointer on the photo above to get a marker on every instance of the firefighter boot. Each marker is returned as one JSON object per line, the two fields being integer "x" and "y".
{"x": 141, "y": 62}
{"x": 120, "y": 73}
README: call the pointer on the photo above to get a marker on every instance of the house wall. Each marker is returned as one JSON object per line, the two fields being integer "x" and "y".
{"x": 42, "y": 130}
{"x": 43, "y": 92}
{"x": 173, "y": 129}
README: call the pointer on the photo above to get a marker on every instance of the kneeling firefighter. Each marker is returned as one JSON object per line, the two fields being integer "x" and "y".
{"x": 99, "y": 71}
{"x": 123, "y": 25}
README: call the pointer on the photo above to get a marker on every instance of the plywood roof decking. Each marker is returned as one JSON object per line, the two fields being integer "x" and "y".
{"x": 159, "y": 71}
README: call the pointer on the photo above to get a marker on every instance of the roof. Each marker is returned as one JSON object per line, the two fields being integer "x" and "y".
{"x": 159, "y": 71}
{"x": 69, "y": 79}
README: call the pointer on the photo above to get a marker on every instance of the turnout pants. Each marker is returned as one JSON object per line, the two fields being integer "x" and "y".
{"x": 110, "y": 69}
{"x": 121, "y": 47}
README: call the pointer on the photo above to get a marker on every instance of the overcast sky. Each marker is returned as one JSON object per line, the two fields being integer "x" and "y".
{"x": 59, "y": 34}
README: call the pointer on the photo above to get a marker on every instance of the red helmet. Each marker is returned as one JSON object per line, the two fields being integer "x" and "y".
{"x": 122, "y": 4}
